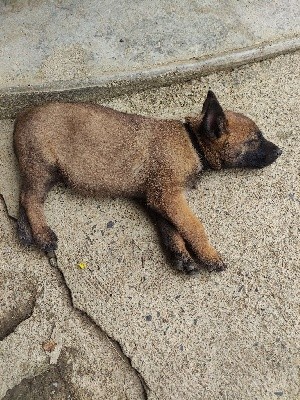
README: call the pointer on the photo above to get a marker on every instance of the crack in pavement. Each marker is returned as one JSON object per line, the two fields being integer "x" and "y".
{"x": 116, "y": 345}
{"x": 6, "y": 208}
{"x": 11, "y": 329}
{"x": 4, "y": 333}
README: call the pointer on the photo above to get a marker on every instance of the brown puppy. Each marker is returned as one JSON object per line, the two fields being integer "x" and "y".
{"x": 97, "y": 150}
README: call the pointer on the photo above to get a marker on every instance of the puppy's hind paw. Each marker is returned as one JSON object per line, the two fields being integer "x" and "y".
{"x": 46, "y": 239}
{"x": 25, "y": 234}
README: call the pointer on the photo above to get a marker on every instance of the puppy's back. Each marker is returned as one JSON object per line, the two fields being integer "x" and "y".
{"x": 96, "y": 149}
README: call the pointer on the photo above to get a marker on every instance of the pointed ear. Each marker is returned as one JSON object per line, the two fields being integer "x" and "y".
{"x": 214, "y": 121}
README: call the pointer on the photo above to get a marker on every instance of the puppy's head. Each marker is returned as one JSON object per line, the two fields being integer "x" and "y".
{"x": 230, "y": 139}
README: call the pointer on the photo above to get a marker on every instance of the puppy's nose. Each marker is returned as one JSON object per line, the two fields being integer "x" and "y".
{"x": 278, "y": 152}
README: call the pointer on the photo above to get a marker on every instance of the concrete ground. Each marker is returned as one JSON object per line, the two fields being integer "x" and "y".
{"x": 128, "y": 326}
{"x": 53, "y": 49}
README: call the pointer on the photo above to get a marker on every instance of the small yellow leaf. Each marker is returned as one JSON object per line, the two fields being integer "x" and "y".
{"x": 81, "y": 265}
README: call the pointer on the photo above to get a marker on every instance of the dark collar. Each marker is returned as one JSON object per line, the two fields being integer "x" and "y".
{"x": 196, "y": 145}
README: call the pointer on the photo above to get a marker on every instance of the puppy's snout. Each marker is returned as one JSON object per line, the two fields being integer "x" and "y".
{"x": 278, "y": 152}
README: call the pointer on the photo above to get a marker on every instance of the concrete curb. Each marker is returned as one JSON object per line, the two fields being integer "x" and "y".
{"x": 14, "y": 99}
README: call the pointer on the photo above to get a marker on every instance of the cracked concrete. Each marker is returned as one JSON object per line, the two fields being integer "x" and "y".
{"x": 233, "y": 335}
{"x": 18, "y": 305}
{"x": 116, "y": 344}
{"x": 52, "y": 333}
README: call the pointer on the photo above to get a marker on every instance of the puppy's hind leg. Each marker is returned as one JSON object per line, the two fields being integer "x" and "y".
{"x": 23, "y": 228}
{"x": 32, "y": 225}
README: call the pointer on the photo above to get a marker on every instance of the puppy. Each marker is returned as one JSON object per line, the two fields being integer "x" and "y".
{"x": 98, "y": 150}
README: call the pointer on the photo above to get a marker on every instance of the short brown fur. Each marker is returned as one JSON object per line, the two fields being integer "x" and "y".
{"x": 97, "y": 150}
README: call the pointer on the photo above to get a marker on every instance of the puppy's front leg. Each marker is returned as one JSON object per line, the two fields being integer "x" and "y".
{"x": 173, "y": 206}
{"x": 175, "y": 245}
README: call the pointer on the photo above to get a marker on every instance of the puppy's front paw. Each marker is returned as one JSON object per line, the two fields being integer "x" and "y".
{"x": 217, "y": 266}
{"x": 185, "y": 264}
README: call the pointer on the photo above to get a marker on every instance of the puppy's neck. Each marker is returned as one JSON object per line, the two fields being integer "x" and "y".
{"x": 196, "y": 144}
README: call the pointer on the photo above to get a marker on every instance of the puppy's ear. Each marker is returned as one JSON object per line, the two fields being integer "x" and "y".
{"x": 213, "y": 122}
